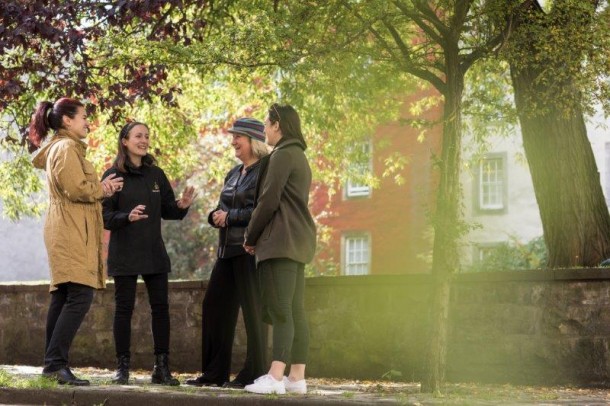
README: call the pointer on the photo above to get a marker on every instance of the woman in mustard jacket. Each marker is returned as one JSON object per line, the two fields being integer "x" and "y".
{"x": 73, "y": 227}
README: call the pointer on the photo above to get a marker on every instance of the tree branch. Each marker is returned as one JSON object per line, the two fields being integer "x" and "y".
{"x": 483, "y": 50}
{"x": 406, "y": 63}
{"x": 460, "y": 13}
{"x": 420, "y": 22}
{"x": 429, "y": 15}
{"x": 409, "y": 66}
{"x": 377, "y": 35}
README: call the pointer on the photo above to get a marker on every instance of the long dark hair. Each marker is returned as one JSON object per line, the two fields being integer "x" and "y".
{"x": 49, "y": 116}
{"x": 290, "y": 123}
{"x": 122, "y": 161}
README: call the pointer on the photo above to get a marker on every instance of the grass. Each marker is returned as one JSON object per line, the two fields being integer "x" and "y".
{"x": 403, "y": 393}
{"x": 348, "y": 395}
{"x": 10, "y": 381}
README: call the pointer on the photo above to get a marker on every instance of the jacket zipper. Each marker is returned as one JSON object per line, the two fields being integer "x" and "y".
{"x": 232, "y": 205}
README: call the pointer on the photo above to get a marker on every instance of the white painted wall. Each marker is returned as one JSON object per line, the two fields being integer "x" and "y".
{"x": 522, "y": 219}
{"x": 23, "y": 256}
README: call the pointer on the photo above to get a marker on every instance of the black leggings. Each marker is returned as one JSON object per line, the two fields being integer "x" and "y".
{"x": 125, "y": 298}
{"x": 69, "y": 305}
{"x": 282, "y": 289}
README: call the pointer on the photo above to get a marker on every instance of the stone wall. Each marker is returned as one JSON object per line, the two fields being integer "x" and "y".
{"x": 23, "y": 309}
{"x": 527, "y": 327}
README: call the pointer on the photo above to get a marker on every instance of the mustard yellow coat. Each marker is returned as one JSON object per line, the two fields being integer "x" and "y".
{"x": 73, "y": 228}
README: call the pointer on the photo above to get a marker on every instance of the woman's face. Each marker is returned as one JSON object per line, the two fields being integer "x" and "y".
{"x": 243, "y": 148}
{"x": 137, "y": 141}
{"x": 272, "y": 132}
{"x": 78, "y": 125}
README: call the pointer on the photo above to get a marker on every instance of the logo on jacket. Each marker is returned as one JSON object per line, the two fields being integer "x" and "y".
{"x": 156, "y": 187}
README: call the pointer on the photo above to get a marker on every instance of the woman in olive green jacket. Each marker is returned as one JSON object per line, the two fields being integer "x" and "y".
{"x": 73, "y": 228}
{"x": 282, "y": 234}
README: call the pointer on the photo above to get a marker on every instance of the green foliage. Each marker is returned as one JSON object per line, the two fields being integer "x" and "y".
{"x": 20, "y": 186}
{"x": 191, "y": 245}
{"x": 392, "y": 375}
{"x": 8, "y": 380}
{"x": 570, "y": 55}
{"x": 513, "y": 255}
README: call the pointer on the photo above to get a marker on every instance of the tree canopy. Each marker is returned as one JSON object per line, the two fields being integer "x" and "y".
{"x": 190, "y": 67}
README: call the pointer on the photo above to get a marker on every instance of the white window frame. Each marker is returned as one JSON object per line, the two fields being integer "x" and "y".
{"x": 495, "y": 182}
{"x": 353, "y": 189}
{"x": 479, "y": 251}
{"x": 360, "y": 259}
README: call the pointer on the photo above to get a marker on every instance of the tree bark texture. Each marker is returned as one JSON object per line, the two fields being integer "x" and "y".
{"x": 574, "y": 215}
{"x": 447, "y": 225}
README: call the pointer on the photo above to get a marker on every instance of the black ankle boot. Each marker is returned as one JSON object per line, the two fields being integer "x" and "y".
{"x": 122, "y": 372}
{"x": 161, "y": 374}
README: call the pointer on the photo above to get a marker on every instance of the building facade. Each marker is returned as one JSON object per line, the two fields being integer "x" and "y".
{"x": 385, "y": 230}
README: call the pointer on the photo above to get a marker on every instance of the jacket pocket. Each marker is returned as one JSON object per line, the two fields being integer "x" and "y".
{"x": 89, "y": 170}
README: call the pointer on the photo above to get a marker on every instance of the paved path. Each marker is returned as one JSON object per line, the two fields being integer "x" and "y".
{"x": 26, "y": 387}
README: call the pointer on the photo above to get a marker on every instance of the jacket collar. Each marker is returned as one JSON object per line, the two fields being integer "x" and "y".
{"x": 249, "y": 168}
{"x": 285, "y": 143}
{"x": 40, "y": 158}
{"x": 62, "y": 133}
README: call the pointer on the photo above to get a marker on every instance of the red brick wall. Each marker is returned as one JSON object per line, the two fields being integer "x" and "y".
{"x": 394, "y": 215}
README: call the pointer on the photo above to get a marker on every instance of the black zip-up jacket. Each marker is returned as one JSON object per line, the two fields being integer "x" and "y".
{"x": 137, "y": 248}
{"x": 237, "y": 199}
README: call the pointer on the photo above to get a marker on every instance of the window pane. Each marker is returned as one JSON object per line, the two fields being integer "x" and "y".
{"x": 357, "y": 255}
{"x": 491, "y": 184}
{"x": 353, "y": 188}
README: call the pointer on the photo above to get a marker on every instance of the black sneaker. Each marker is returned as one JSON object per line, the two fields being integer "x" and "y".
{"x": 235, "y": 384}
{"x": 202, "y": 381}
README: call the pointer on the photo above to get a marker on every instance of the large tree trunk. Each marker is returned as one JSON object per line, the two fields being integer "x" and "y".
{"x": 446, "y": 227}
{"x": 573, "y": 211}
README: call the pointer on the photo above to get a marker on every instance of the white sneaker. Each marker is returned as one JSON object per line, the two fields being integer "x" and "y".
{"x": 266, "y": 384}
{"x": 296, "y": 386}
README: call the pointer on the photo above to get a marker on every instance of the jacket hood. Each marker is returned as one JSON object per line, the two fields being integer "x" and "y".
{"x": 40, "y": 159}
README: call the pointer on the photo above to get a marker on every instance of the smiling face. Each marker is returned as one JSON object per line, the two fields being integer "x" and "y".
{"x": 137, "y": 143}
{"x": 243, "y": 148}
{"x": 78, "y": 125}
{"x": 273, "y": 134}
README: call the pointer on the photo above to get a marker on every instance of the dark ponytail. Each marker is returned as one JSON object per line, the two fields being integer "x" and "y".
{"x": 49, "y": 116}
{"x": 290, "y": 122}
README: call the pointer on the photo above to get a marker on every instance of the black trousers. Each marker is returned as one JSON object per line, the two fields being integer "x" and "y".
{"x": 282, "y": 290}
{"x": 125, "y": 298}
{"x": 233, "y": 283}
{"x": 69, "y": 305}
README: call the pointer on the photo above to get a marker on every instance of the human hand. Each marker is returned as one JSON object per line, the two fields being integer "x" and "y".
{"x": 249, "y": 249}
{"x": 111, "y": 184}
{"x": 220, "y": 218}
{"x": 187, "y": 198}
{"x": 136, "y": 213}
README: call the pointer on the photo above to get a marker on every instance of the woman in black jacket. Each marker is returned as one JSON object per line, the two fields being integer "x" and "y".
{"x": 234, "y": 280}
{"x": 136, "y": 247}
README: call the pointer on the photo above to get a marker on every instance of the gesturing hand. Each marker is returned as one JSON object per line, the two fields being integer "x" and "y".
{"x": 111, "y": 184}
{"x": 187, "y": 198}
{"x": 136, "y": 213}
